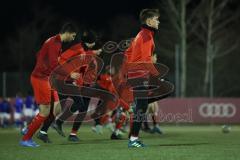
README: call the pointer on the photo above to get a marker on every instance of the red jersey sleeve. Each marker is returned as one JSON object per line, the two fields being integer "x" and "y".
{"x": 73, "y": 51}
{"x": 146, "y": 48}
{"x": 90, "y": 52}
{"x": 54, "y": 52}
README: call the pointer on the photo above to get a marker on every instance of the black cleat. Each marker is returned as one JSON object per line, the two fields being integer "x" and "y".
{"x": 58, "y": 128}
{"x": 73, "y": 138}
{"x": 43, "y": 137}
{"x": 116, "y": 137}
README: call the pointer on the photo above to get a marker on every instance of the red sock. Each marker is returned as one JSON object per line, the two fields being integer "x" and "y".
{"x": 33, "y": 127}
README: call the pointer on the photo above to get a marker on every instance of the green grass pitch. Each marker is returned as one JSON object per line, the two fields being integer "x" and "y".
{"x": 177, "y": 143}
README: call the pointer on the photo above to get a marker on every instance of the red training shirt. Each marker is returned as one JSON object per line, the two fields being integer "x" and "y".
{"x": 47, "y": 57}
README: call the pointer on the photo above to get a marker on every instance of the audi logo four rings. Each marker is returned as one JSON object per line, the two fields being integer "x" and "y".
{"x": 213, "y": 110}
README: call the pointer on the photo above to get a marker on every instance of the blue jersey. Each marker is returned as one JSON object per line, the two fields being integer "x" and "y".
{"x": 18, "y": 105}
{"x": 1, "y": 106}
{"x": 5, "y": 106}
{"x": 29, "y": 102}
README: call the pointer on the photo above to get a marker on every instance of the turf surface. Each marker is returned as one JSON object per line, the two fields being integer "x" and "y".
{"x": 177, "y": 143}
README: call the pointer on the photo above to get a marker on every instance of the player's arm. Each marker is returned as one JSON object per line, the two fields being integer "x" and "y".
{"x": 146, "y": 49}
{"x": 53, "y": 53}
{"x": 66, "y": 56}
{"x": 94, "y": 52}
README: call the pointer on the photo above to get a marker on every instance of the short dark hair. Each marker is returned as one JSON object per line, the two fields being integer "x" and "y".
{"x": 69, "y": 27}
{"x": 148, "y": 13}
{"x": 89, "y": 36}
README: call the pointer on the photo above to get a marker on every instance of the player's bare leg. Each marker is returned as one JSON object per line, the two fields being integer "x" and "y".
{"x": 57, "y": 108}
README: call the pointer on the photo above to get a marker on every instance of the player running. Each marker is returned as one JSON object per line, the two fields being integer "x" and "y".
{"x": 47, "y": 61}
{"x": 80, "y": 104}
{"x": 139, "y": 53}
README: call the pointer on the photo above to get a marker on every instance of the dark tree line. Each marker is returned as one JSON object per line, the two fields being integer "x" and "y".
{"x": 198, "y": 40}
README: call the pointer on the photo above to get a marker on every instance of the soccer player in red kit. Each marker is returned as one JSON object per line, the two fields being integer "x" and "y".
{"x": 138, "y": 54}
{"x": 81, "y": 49}
{"x": 47, "y": 60}
{"x": 118, "y": 115}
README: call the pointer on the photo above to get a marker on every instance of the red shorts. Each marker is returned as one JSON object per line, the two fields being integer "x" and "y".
{"x": 43, "y": 91}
